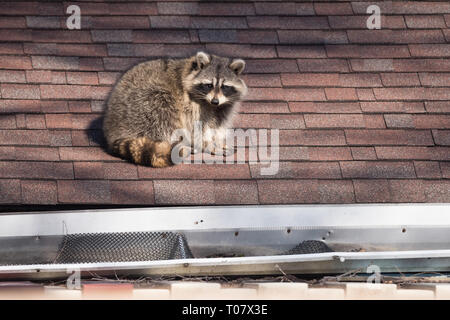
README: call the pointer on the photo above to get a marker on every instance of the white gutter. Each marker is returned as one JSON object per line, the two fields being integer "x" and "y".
{"x": 396, "y": 238}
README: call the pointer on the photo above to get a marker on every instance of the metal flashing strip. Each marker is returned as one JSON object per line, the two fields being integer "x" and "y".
{"x": 210, "y": 218}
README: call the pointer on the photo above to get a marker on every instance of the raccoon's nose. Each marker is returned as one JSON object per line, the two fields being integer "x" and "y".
{"x": 215, "y": 101}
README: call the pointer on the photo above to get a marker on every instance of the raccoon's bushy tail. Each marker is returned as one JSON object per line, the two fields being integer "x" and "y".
{"x": 144, "y": 151}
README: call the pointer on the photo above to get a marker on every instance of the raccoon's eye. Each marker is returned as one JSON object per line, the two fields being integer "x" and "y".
{"x": 204, "y": 87}
{"x": 207, "y": 86}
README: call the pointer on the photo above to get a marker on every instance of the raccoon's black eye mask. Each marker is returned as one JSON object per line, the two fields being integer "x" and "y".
{"x": 204, "y": 87}
{"x": 228, "y": 90}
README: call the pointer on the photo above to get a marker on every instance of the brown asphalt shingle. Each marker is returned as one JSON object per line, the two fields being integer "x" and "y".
{"x": 364, "y": 115}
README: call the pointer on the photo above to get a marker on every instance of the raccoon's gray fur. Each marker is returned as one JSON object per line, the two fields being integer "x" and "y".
{"x": 156, "y": 97}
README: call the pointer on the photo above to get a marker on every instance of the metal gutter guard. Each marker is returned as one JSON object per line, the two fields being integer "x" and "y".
{"x": 236, "y": 240}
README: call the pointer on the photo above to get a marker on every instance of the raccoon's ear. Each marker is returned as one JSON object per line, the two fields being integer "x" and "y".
{"x": 202, "y": 59}
{"x": 237, "y": 65}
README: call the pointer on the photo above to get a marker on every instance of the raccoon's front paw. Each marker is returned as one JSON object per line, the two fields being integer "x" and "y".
{"x": 227, "y": 151}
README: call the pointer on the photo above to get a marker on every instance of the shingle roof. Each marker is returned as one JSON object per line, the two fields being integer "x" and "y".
{"x": 364, "y": 115}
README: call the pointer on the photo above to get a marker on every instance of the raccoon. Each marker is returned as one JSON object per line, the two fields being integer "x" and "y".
{"x": 156, "y": 97}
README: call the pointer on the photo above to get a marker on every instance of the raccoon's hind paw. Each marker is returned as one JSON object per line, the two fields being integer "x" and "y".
{"x": 161, "y": 155}
{"x": 160, "y": 162}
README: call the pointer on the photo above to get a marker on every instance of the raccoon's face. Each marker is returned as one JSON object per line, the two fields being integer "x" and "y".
{"x": 215, "y": 80}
